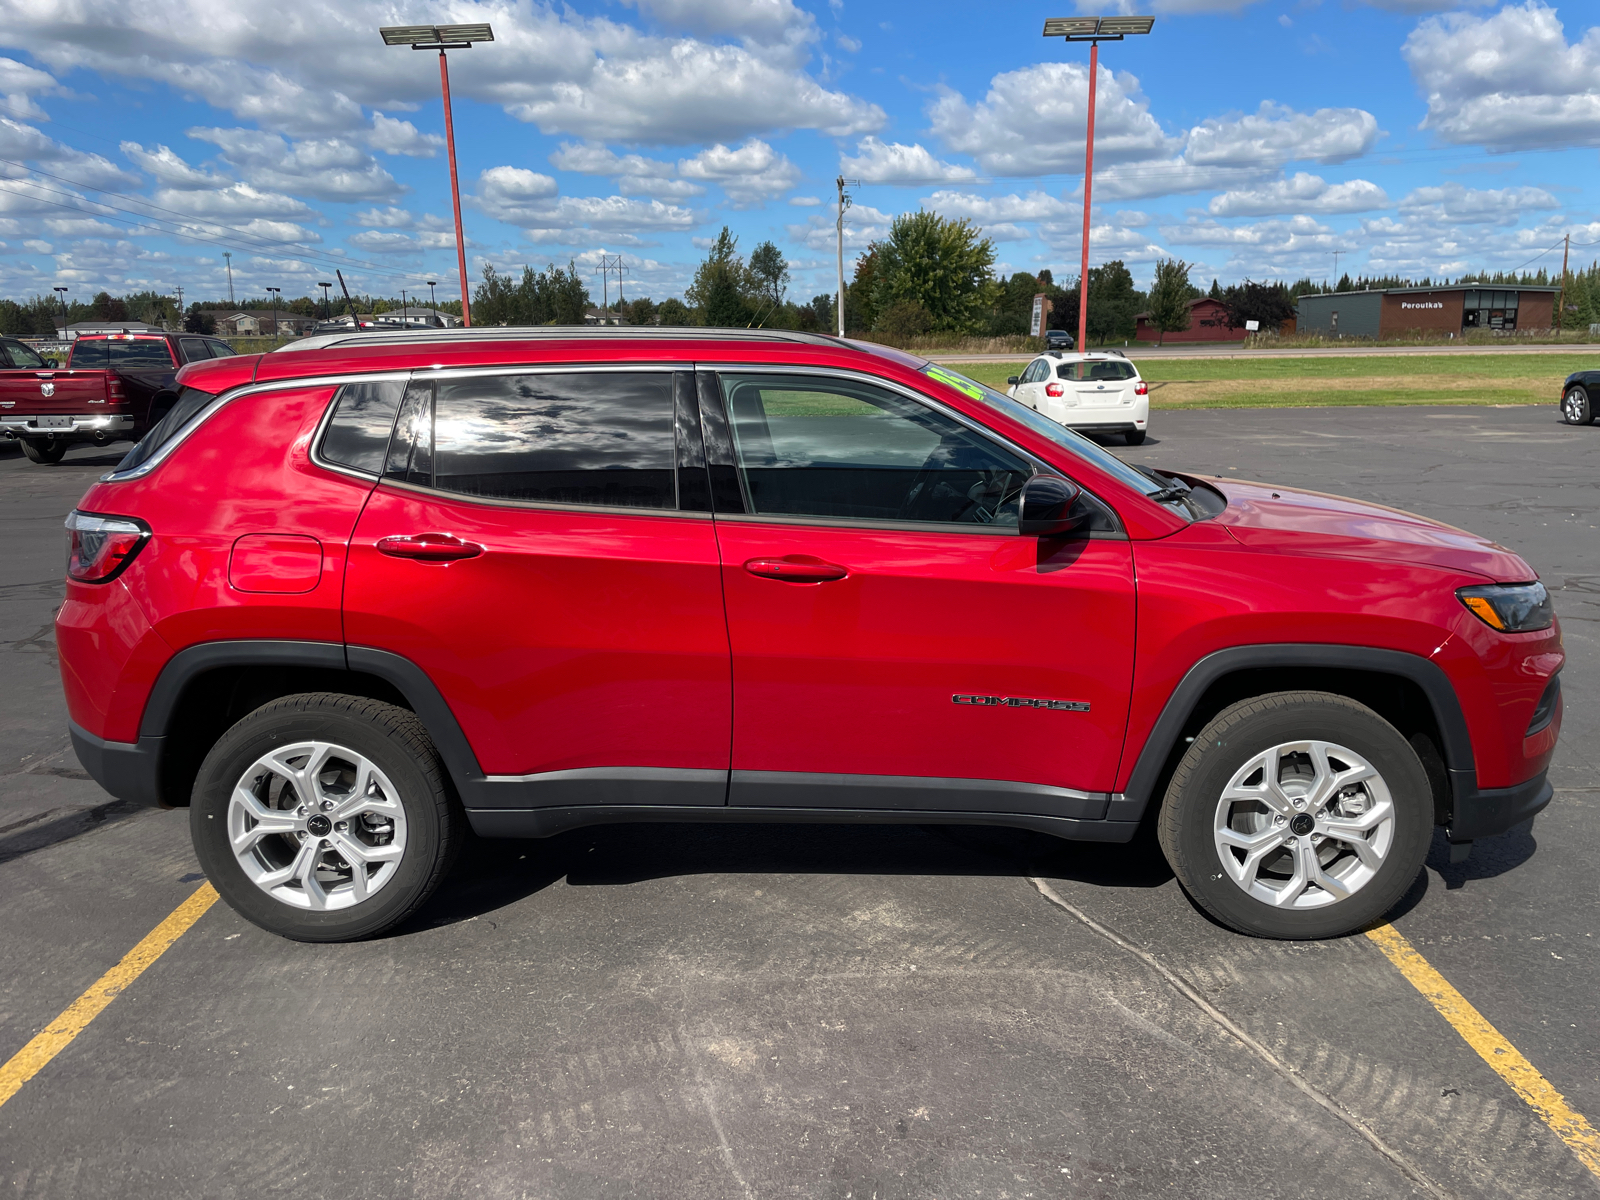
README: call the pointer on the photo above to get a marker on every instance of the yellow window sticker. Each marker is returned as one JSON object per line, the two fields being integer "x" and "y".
{"x": 960, "y": 382}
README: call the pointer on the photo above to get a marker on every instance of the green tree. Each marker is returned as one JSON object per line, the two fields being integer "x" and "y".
{"x": 198, "y": 320}
{"x": 861, "y": 297}
{"x": 721, "y": 288}
{"x": 1169, "y": 298}
{"x": 1267, "y": 303}
{"x": 946, "y": 266}
{"x": 904, "y": 319}
{"x": 769, "y": 273}
{"x": 674, "y": 312}
{"x": 554, "y": 296}
{"x": 641, "y": 312}
{"x": 1216, "y": 290}
{"x": 1013, "y": 307}
{"x": 817, "y": 317}
{"x": 1113, "y": 302}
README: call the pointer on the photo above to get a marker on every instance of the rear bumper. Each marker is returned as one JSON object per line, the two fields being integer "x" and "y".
{"x": 1101, "y": 426}
{"x": 1483, "y": 813}
{"x": 81, "y": 425}
{"x": 128, "y": 770}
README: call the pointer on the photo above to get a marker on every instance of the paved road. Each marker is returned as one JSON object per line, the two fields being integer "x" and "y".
{"x": 816, "y": 1011}
{"x": 1237, "y": 350}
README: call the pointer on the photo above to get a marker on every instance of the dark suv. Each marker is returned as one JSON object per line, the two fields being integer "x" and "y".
{"x": 350, "y": 597}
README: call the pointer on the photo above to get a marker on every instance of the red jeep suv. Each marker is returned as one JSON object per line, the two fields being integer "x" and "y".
{"x": 351, "y": 597}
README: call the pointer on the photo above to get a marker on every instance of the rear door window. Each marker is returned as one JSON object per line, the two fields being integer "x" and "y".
{"x": 814, "y": 446}
{"x": 602, "y": 438}
{"x": 194, "y": 349}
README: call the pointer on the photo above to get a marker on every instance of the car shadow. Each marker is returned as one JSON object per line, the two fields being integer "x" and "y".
{"x": 494, "y": 874}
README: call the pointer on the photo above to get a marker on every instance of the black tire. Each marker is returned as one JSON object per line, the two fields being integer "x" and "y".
{"x": 1186, "y": 827}
{"x": 47, "y": 452}
{"x": 1576, "y": 407}
{"x": 1135, "y": 437}
{"x": 391, "y": 738}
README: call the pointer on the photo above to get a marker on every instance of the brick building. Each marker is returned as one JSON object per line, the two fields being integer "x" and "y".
{"x": 1391, "y": 312}
{"x": 1208, "y": 322}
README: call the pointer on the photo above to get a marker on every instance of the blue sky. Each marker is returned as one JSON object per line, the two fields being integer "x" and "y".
{"x": 1249, "y": 138}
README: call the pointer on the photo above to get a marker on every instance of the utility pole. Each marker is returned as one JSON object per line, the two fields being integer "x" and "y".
{"x": 179, "y": 290}
{"x": 844, "y": 203}
{"x": 1561, "y": 296}
{"x": 404, "y": 315}
{"x": 1336, "y": 254}
{"x": 228, "y": 254}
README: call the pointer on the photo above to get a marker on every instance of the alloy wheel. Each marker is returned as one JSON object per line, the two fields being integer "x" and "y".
{"x": 316, "y": 826}
{"x": 1304, "y": 825}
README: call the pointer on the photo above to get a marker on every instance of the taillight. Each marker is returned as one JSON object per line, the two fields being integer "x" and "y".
{"x": 1141, "y": 388}
{"x": 114, "y": 391}
{"x": 1054, "y": 389}
{"x": 98, "y": 547}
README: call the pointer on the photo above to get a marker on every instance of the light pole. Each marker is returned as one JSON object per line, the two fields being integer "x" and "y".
{"x": 62, "y": 292}
{"x": 404, "y": 315}
{"x": 442, "y": 38}
{"x": 274, "y": 292}
{"x": 433, "y": 305}
{"x": 327, "y": 305}
{"x": 1093, "y": 30}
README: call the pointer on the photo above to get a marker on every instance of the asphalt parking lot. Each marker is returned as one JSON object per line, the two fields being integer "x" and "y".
{"x": 818, "y": 1011}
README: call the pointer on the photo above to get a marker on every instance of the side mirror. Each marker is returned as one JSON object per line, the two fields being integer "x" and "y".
{"x": 1013, "y": 380}
{"x": 1047, "y": 502}
{"x": 50, "y": 362}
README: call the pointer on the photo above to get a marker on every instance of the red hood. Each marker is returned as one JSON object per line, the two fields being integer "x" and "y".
{"x": 1264, "y": 517}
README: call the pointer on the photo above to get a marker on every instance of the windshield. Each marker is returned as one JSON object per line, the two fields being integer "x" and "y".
{"x": 1059, "y": 434}
{"x": 114, "y": 352}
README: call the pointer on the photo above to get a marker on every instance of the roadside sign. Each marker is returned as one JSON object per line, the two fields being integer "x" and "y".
{"x": 1252, "y": 326}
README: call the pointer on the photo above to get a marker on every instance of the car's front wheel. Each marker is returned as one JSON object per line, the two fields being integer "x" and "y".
{"x": 1576, "y": 407}
{"x": 40, "y": 450}
{"x": 1297, "y": 815}
{"x": 325, "y": 818}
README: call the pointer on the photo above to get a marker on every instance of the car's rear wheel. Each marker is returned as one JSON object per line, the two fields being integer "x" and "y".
{"x": 325, "y": 818}
{"x": 1297, "y": 815}
{"x": 1576, "y": 407}
{"x": 1135, "y": 437}
{"x": 40, "y": 450}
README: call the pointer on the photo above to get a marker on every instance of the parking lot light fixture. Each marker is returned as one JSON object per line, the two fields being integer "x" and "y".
{"x": 1093, "y": 30}
{"x": 442, "y": 38}
{"x": 275, "y": 293}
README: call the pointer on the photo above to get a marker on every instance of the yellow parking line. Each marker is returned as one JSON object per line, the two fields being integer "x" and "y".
{"x": 58, "y": 1035}
{"x": 1567, "y": 1123}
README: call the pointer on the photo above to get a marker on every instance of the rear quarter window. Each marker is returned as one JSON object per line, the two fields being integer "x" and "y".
{"x": 189, "y": 402}
{"x": 358, "y": 431}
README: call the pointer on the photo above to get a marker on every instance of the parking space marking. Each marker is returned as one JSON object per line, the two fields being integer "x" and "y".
{"x": 1491, "y": 1045}
{"x": 58, "y": 1035}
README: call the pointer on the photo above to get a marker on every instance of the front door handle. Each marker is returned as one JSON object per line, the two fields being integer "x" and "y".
{"x": 796, "y": 568}
{"x": 429, "y": 547}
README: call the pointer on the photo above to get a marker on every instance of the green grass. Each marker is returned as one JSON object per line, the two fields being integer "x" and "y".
{"x": 1355, "y": 381}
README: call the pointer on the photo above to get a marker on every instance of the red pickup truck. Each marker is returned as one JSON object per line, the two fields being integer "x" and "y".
{"x": 114, "y": 386}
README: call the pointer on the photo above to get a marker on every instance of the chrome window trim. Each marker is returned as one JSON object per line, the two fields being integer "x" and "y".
{"x": 239, "y": 393}
{"x": 915, "y": 396}
{"x": 948, "y": 528}
{"x": 561, "y": 368}
{"x": 496, "y": 502}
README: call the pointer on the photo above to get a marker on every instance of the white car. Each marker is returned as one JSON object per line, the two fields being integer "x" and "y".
{"x": 1092, "y": 393}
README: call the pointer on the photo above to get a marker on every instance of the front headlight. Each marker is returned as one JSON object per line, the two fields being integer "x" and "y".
{"x": 1510, "y": 607}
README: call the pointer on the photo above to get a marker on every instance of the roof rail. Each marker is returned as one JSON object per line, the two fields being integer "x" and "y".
{"x": 514, "y": 333}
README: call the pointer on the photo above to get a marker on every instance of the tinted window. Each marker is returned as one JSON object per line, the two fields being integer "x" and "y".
{"x": 1096, "y": 371}
{"x": 1037, "y": 370}
{"x": 358, "y": 432}
{"x": 113, "y": 352}
{"x": 23, "y": 356}
{"x": 194, "y": 349}
{"x": 603, "y": 438}
{"x": 221, "y": 350}
{"x": 189, "y": 402}
{"x": 811, "y": 446}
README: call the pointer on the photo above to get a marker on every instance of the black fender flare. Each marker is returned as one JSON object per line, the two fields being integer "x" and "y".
{"x": 1180, "y": 706}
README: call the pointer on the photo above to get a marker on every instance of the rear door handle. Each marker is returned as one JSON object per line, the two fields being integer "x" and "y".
{"x": 796, "y": 568}
{"x": 429, "y": 547}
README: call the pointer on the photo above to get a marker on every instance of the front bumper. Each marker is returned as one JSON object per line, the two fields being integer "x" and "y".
{"x": 1488, "y": 811}
{"x": 79, "y": 426}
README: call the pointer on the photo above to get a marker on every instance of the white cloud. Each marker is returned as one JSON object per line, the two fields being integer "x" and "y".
{"x": 1033, "y": 121}
{"x": 1457, "y": 205}
{"x": 1295, "y": 233}
{"x": 760, "y": 21}
{"x": 531, "y": 201}
{"x": 984, "y": 210}
{"x": 750, "y": 174}
{"x": 169, "y": 168}
{"x": 27, "y": 144}
{"x": 394, "y": 136}
{"x": 1276, "y": 134}
{"x": 567, "y": 73}
{"x": 805, "y": 201}
{"x": 1304, "y": 193}
{"x": 862, "y": 224}
{"x": 323, "y": 168}
{"x": 227, "y": 203}
{"x": 635, "y": 174}
{"x": 1507, "y": 81}
{"x": 876, "y": 161}
{"x": 399, "y": 218}
{"x": 19, "y": 83}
